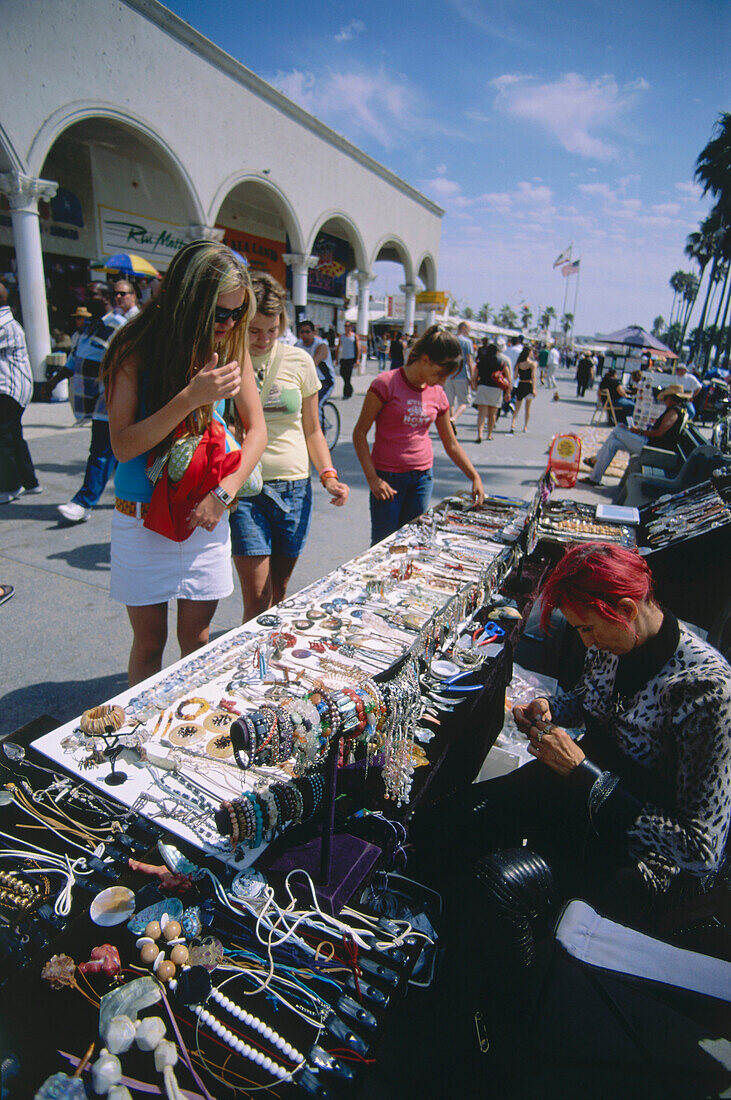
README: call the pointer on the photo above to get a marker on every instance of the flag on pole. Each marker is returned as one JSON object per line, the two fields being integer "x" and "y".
{"x": 565, "y": 255}
{"x": 571, "y": 269}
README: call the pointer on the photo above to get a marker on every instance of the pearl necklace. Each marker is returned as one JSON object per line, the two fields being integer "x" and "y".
{"x": 238, "y": 1045}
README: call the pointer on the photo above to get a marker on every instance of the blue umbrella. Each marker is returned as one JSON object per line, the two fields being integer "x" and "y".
{"x": 127, "y": 263}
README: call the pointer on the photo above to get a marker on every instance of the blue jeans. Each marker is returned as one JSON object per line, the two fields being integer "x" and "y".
{"x": 619, "y": 439}
{"x": 100, "y": 466}
{"x": 413, "y": 494}
{"x": 277, "y": 521}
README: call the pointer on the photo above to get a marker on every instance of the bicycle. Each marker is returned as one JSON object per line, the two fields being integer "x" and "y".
{"x": 330, "y": 422}
{"x": 721, "y": 434}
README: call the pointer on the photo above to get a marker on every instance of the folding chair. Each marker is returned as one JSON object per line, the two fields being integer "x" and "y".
{"x": 603, "y": 405}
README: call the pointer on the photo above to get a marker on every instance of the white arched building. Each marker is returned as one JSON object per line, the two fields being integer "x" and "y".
{"x": 124, "y": 129}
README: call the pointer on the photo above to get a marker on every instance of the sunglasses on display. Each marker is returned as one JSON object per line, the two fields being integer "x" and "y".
{"x": 222, "y": 314}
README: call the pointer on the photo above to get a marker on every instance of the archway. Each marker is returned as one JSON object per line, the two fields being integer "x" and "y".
{"x": 338, "y": 245}
{"x": 427, "y": 272}
{"x": 119, "y": 190}
{"x": 259, "y": 222}
{"x": 393, "y": 269}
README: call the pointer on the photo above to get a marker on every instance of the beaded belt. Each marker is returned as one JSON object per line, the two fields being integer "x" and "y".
{"x": 138, "y": 509}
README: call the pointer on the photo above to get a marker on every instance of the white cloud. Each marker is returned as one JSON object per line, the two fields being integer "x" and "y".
{"x": 571, "y": 108}
{"x": 363, "y": 101}
{"x": 666, "y": 208}
{"x": 350, "y": 30}
{"x": 689, "y": 191}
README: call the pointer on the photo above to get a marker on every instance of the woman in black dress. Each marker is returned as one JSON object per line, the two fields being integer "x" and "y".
{"x": 525, "y": 376}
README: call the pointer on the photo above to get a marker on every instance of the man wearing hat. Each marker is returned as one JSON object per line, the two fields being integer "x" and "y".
{"x": 80, "y": 317}
{"x": 665, "y": 431}
{"x": 689, "y": 383}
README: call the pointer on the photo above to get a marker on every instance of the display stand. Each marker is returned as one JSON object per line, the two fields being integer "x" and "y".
{"x": 337, "y": 863}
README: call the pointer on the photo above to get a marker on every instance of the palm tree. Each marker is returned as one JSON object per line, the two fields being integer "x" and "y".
{"x": 550, "y": 317}
{"x": 484, "y": 313}
{"x": 567, "y": 322}
{"x": 468, "y": 313}
{"x": 713, "y": 167}
{"x": 526, "y": 316}
{"x": 690, "y": 293}
{"x": 713, "y": 170}
{"x": 507, "y": 317}
{"x": 700, "y": 247}
{"x": 677, "y": 281}
{"x": 658, "y": 327}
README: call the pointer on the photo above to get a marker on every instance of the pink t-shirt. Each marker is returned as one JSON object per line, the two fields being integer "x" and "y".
{"x": 402, "y": 426}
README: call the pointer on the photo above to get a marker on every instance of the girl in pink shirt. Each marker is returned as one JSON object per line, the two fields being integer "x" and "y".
{"x": 403, "y": 404}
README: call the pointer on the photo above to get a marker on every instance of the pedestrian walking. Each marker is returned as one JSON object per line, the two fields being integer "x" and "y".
{"x": 17, "y": 473}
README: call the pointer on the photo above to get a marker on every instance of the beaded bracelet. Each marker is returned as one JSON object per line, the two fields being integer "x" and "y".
{"x": 242, "y": 819}
{"x": 270, "y": 803}
{"x": 286, "y": 733}
{"x": 360, "y": 711}
{"x": 228, "y": 806}
{"x": 101, "y": 720}
{"x": 201, "y": 707}
{"x": 271, "y": 741}
{"x": 253, "y": 801}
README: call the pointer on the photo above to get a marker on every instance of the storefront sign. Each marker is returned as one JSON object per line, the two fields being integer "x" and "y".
{"x": 262, "y": 253}
{"x": 433, "y": 299}
{"x": 328, "y": 278}
{"x": 156, "y": 241}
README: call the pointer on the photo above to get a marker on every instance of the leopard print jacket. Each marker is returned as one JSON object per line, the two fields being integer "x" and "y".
{"x": 678, "y": 724}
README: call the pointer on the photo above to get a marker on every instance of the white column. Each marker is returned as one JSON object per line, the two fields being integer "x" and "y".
{"x": 409, "y": 291}
{"x": 430, "y": 318}
{"x": 204, "y": 233}
{"x": 23, "y": 193}
{"x": 300, "y": 263}
{"x": 364, "y": 280}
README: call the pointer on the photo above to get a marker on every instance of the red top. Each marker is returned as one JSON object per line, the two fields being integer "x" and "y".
{"x": 402, "y": 426}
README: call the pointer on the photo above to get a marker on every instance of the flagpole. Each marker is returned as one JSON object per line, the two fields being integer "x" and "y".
{"x": 565, "y": 296}
{"x": 576, "y": 295}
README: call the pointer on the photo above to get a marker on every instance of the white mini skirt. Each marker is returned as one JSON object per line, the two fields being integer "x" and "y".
{"x": 489, "y": 395}
{"x": 147, "y": 568}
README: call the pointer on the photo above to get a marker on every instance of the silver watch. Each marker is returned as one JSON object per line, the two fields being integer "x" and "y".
{"x": 220, "y": 493}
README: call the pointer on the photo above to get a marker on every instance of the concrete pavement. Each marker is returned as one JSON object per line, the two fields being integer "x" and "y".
{"x": 65, "y": 644}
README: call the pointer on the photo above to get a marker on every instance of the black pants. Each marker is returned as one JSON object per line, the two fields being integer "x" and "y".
{"x": 16, "y": 465}
{"x": 346, "y": 372}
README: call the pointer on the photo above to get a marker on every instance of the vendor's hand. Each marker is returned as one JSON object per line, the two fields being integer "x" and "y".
{"x": 525, "y": 714}
{"x": 207, "y": 513}
{"x": 554, "y": 747}
{"x": 213, "y": 383}
{"x": 338, "y": 490}
{"x": 382, "y": 490}
{"x": 478, "y": 492}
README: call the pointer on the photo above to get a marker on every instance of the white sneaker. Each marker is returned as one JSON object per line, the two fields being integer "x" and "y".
{"x": 74, "y": 513}
{"x": 5, "y": 498}
{"x": 34, "y": 491}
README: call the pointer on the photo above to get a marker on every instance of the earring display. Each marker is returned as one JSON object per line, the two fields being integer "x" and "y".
{"x": 687, "y": 514}
{"x": 216, "y": 748}
{"x": 570, "y": 521}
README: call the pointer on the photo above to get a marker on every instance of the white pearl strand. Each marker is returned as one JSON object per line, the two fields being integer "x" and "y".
{"x": 238, "y": 1044}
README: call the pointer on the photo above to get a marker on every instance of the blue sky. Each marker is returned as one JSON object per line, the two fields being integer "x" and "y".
{"x": 535, "y": 126}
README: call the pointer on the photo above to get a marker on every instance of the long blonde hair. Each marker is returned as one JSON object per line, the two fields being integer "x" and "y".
{"x": 172, "y": 338}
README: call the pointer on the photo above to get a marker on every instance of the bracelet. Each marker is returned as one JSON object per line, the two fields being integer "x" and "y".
{"x": 101, "y": 720}
{"x": 600, "y": 792}
{"x": 327, "y": 473}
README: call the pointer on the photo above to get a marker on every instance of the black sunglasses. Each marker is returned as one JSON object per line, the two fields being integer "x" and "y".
{"x": 222, "y": 314}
